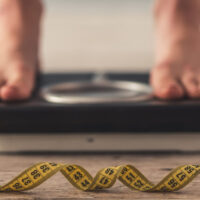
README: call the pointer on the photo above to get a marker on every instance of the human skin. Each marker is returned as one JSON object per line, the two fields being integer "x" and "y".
{"x": 177, "y": 65}
{"x": 19, "y": 41}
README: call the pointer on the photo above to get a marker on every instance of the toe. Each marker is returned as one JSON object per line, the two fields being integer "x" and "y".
{"x": 170, "y": 90}
{"x": 191, "y": 85}
{"x": 18, "y": 86}
{"x": 14, "y": 92}
{"x": 165, "y": 83}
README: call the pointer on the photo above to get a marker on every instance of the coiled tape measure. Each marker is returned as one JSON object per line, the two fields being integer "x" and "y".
{"x": 105, "y": 178}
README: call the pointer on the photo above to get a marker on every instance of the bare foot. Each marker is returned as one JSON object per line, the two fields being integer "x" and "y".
{"x": 19, "y": 34}
{"x": 177, "y": 70}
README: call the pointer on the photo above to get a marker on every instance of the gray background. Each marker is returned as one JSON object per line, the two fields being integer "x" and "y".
{"x": 84, "y": 35}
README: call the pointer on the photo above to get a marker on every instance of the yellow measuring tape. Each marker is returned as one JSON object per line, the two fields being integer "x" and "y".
{"x": 105, "y": 178}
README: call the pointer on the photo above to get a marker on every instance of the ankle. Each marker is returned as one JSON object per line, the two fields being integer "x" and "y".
{"x": 23, "y": 6}
{"x": 178, "y": 6}
{"x": 178, "y": 12}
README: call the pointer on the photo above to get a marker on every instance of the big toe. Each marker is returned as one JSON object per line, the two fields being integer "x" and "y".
{"x": 165, "y": 84}
{"x": 18, "y": 86}
{"x": 14, "y": 92}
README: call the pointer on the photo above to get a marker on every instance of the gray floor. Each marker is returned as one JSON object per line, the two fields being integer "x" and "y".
{"x": 97, "y": 35}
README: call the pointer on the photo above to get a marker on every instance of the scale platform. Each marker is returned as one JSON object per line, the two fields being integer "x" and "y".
{"x": 148, "y": 124}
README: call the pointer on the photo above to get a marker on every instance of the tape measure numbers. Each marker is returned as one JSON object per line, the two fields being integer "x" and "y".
{"x": 105, "y": 178}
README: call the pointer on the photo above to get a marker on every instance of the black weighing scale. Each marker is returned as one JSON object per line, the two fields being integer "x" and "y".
{"x": 84, "y": 112}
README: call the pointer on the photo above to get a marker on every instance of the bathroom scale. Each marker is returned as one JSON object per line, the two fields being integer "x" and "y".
{"x": 88, "y": 112}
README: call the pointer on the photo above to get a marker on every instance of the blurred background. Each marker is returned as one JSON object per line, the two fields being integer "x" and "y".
{"x": 88, "y": 35}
